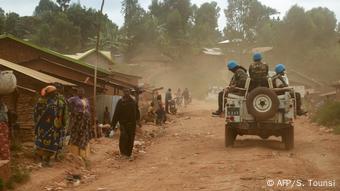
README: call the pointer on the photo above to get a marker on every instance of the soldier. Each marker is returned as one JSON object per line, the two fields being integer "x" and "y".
{"x": 258, "y": 72}
{"x": 238, "y": 80}
{"x": 280, "y": 82}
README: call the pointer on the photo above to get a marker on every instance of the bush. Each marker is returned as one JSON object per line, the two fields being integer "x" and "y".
{"x": 337, "y": 130}
{"x": 328, "y": 114}
{"x": 18, "y": 177}
{"x": 2, "y": 186}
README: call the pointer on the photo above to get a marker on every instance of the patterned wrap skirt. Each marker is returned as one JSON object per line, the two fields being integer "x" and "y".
{"x": 80, "y": 129}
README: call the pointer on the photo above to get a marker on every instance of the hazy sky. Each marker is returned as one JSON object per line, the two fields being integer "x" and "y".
{"x": 113, "y": 7}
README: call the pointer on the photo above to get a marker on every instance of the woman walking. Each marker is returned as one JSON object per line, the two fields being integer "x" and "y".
{"x": 80, "y": 124}
{"x": 51, "y": 117}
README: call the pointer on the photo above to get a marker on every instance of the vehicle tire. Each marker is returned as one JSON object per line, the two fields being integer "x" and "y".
{"x": 288, "y": 137}
{"x": 230, "y": 136}
{"x": 262, "y": 103}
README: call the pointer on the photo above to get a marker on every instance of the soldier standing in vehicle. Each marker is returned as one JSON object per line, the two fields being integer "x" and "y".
{"x": 238, "y": 80}
{"x": 258, "y": 72}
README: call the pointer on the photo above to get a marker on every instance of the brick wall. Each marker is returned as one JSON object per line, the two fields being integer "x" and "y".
{"x": 5, "y": 170}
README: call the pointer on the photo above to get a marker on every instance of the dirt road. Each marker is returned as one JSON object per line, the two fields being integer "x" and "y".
{"x": 190, "y": 155}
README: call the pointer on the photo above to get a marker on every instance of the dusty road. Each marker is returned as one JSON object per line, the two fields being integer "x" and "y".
{"x": 190, "y": 155}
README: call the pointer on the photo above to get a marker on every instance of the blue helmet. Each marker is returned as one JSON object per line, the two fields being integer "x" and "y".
{"x": 257, "y": 56}
{"x": 232, "y": 64}
{"x": 279, "y": 68}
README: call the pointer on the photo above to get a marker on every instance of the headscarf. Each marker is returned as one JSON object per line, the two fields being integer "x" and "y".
{"x": 47, "y": 90}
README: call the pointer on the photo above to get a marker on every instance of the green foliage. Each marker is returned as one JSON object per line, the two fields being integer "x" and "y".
{"x": 245, "y": 17}
{"x": 45, "y": 6}
{"x": 50, "y": 35}
{"x": 328, "y": 114}
{"x": 2, "y": 185}
{"x": 16, "y": 145}
{"x": 18, "y": 176}
{"x": 178, "y": 28}
{"x": 11, "y": 23}
{"x": 2, "y": 20}
{"x": 63, "y": 4}
{"x": 337, "y": 130}
{"x": 205, "y": 30}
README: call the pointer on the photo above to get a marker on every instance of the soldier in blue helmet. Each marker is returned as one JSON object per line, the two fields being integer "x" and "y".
{"x": 278, "y": 79}
{"x": 280, "y": 82}
{"x": 238, "y": 80}
{"x": 258, "y": 72}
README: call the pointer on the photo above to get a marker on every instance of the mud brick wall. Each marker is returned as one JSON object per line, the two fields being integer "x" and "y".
{"x": 23, "y": 102}
{"x": 25, "y": 112}
{"x": 5, "y": 170}
{"x": 4, "y": 142}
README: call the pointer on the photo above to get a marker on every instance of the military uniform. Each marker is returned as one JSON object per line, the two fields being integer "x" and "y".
{"x": 238, "y": 80}
{"x": 258, "y": 72}
{"x": 279, "y": 81}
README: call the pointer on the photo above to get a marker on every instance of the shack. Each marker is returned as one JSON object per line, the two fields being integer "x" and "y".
{"x": 105, "y": 61}
{"x": 21, "y": 102}
{"x": 55, "y": 64}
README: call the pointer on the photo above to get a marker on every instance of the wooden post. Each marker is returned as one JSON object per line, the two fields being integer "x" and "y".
{"x": 95, "y": 73}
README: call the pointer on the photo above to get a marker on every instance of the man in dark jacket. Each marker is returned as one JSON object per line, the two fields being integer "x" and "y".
{"x": 258, "y": 72}
{"x": 238, "y": 80}
{"x": 127, "y": 114}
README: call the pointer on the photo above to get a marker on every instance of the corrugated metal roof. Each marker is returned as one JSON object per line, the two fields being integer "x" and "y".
{"x": 48, "y": 51}
{"x": 34, "y": 74}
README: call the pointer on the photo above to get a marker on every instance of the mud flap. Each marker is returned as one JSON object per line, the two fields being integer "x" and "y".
{"x": 230, "y": 136}
{"x": 288, "y": 137}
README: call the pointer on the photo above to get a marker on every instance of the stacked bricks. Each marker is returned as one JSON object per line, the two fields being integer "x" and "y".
{"x": 4, "y": 142}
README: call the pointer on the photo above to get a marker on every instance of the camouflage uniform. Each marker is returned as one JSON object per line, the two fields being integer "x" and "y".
{"x": 258, "y": 72}
{"x": 279, "y": 81}
{"x": 239, "y": 79}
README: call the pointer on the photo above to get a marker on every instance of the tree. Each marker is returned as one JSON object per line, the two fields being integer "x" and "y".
{"x": 86, "y": 20}
{"x": 45, "y": 6}
{"x": 205, "y": 30}
{"x": 324, "y": 26}
{"x": 175, "y": 16}
{"x": 63, "y": 4}
{"x": 58, "y": 33}
{"x": 133, "y": 23}
{"x": 2, "y": 21}
{"x": 296, "y": 28}
{"x": 245, "y": 17}
{"x": 11, "y": 23}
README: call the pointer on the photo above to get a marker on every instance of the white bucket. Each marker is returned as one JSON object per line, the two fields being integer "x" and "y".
{"x": 8, "y": 82}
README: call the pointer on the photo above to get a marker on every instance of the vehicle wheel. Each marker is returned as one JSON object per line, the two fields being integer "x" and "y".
{"x": 230, "y": 136}
{"x": 262, "y": 103}
{"x": 288, "y": 137}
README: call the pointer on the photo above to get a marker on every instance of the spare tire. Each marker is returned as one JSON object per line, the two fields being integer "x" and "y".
{"x": 262, "y": 103}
